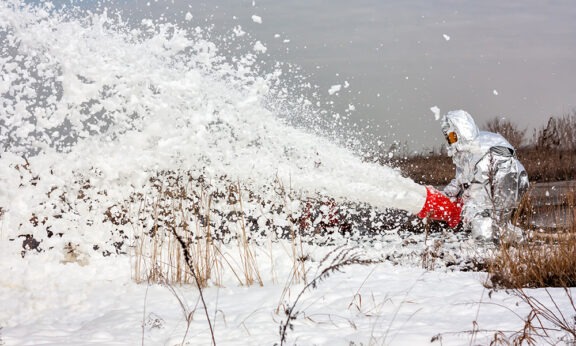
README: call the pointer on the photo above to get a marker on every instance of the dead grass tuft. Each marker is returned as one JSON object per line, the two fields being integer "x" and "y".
{"x": 187, "y": 230}
{"x": 546, "y": 257}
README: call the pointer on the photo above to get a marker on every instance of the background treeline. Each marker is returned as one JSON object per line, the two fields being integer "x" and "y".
{"x": 549, "y": 154}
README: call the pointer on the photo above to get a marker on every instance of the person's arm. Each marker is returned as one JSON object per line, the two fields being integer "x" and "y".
{"x": 454, "y": 188}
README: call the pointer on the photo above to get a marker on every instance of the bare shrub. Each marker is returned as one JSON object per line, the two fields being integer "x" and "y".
{"x": 548, "y": 137}
{"x": 507, "y": 129}
{"x": 552, "y": 153}
{"x": 559, "y": 133}
{"x": 568, "y": 130}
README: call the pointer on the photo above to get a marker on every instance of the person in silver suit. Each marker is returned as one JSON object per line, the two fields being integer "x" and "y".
{"x": 489, "y": 180}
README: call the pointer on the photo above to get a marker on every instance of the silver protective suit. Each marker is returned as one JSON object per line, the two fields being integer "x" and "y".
{"x": 489, "y": 178}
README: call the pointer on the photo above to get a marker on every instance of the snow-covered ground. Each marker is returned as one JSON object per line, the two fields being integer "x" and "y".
{"x": 45, "y": 302}
{"x": 109, "y": 114}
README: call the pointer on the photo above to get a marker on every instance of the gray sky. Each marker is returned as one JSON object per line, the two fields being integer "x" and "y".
{"x": 493, "y": 58}
{"x": 513, "y": 59}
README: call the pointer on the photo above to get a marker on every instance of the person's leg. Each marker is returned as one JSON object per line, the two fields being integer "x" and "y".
{"x": 482, "y": 228}
{"x": 477, "y": 214}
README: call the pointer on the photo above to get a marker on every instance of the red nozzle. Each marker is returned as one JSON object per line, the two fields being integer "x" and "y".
{"x": 439, "y": 207}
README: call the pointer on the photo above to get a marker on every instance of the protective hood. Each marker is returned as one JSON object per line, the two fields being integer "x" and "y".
{"x": 462, "y": 123}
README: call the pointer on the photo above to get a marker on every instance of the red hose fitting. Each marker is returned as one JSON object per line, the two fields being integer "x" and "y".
{"x": 438, "y": 206}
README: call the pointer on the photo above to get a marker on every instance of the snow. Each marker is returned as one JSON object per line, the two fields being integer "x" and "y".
{"x": 98, "y": 304}
{"x": 143, "y": 101}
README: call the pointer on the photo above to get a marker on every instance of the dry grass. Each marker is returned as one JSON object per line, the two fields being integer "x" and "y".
{"x": 548, "y": 164}
{"x": 547, "y": 315}
{"x": 333, "y": 262}
{"x": 186, "y": 230}
{"x": 158, "y": 254}
{"x": 549, "y": 263}
{"x": 547, "y": 257}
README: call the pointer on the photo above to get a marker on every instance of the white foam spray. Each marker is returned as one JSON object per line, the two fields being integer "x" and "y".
{"x": 88, "y": 93}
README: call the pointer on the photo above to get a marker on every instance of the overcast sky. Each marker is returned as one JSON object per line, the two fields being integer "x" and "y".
{"x": 493, "y": 58}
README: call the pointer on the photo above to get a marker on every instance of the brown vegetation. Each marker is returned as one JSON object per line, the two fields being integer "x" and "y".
{"x": 547, "y": 257}
{"x": 548, "y": 164}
